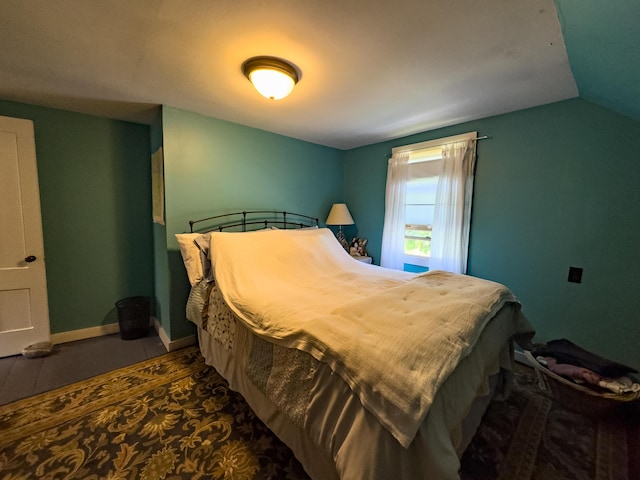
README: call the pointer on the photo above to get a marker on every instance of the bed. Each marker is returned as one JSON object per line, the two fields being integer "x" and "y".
{"x": 364, "y": 372}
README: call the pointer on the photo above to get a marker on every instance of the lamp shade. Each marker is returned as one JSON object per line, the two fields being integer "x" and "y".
{"x": 339, "y": 215}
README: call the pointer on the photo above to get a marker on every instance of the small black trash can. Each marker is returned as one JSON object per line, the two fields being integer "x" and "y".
{"x": 133, "y": 317}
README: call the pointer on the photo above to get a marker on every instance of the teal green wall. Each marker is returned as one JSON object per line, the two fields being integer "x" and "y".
{"x": 556, "y": 186}
{"x": 213, "y": 166}
{"x": 94, "y": 177}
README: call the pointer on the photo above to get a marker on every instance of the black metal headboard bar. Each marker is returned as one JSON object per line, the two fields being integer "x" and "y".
{"x": 218, "y": 221}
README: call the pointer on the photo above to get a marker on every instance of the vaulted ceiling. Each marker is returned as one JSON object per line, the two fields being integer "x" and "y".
{"x": 371, "y": 71}
{"x": 603, "y": 43}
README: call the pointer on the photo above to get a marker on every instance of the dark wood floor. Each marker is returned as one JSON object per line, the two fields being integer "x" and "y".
{"x": 71, "y": 362}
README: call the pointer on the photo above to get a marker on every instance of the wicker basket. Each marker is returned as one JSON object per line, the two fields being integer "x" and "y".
{"x": 576, "y": 397}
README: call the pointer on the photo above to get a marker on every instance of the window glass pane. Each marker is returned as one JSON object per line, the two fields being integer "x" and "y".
{"x": 417, "y": 241}
{"x": 419, "y": 214}
{"x": 422, "y": 190}
{"x": 419, "y": 205}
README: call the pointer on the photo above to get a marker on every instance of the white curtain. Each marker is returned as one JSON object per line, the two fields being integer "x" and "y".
{"x": 452, "y": 213}
{"x": 392, "y": 252}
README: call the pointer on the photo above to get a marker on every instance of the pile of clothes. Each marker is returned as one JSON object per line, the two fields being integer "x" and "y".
{"x": 570, "y": 361}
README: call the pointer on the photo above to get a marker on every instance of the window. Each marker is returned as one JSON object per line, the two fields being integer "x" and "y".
{"x": 420, "y": 200}
{"x": 428, "y": 204}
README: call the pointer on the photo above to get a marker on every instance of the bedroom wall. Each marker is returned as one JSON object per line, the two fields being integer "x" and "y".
{"x": 95, "y": 196}
{"x": 556, "y": 186}
{"x": 213, "y": 167}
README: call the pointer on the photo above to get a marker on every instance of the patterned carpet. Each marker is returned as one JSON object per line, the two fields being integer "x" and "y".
{"x": 532, "y": 437}
{"x": 173, "y": 418}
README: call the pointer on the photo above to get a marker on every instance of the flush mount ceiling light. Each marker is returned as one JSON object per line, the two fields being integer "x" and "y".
{"x": 273, "y": 78}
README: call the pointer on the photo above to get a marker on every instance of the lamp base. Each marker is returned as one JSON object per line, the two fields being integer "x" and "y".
{"x": 342, "y": 240}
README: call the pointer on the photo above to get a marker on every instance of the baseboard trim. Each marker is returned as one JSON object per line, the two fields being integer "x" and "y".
{"x": 111, "y": 328}
{"x": 169, "y": 344}
{"x": 84, "y": 333}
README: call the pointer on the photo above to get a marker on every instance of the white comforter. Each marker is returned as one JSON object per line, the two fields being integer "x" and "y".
{"x": 393, "y": 337}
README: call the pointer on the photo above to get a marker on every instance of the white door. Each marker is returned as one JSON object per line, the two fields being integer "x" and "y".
{"x": 24, "y": 312}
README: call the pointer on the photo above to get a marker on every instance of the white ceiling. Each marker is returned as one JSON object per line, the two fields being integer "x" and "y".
{"x": 371, "y": 70}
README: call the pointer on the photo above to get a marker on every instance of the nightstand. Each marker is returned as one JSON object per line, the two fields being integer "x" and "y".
{"x": 362, "y": 259}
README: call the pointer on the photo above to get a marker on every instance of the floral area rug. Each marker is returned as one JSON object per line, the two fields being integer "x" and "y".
{"x": 172, "y": 417}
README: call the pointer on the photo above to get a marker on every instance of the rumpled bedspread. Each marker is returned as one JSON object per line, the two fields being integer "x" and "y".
{"x": 393, "y": 337}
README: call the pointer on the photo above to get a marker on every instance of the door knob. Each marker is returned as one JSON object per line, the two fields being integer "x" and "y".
{"x": 30, "y": 259}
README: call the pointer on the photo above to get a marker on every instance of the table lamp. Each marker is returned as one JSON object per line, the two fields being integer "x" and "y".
{"x": 339, "y": 215}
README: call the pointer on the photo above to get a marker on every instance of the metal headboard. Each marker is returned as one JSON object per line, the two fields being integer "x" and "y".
{"x": 254, "y": 220}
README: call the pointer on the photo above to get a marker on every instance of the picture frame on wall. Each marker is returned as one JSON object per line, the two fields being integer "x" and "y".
{"x": 157, "y": 186}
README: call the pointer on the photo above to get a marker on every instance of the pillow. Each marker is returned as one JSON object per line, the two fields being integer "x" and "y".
{"x": 190, "y": 256}
{"x": 202, "y": 244}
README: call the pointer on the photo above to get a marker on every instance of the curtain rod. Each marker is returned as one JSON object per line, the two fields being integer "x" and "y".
{"x": 389, "y": 155}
